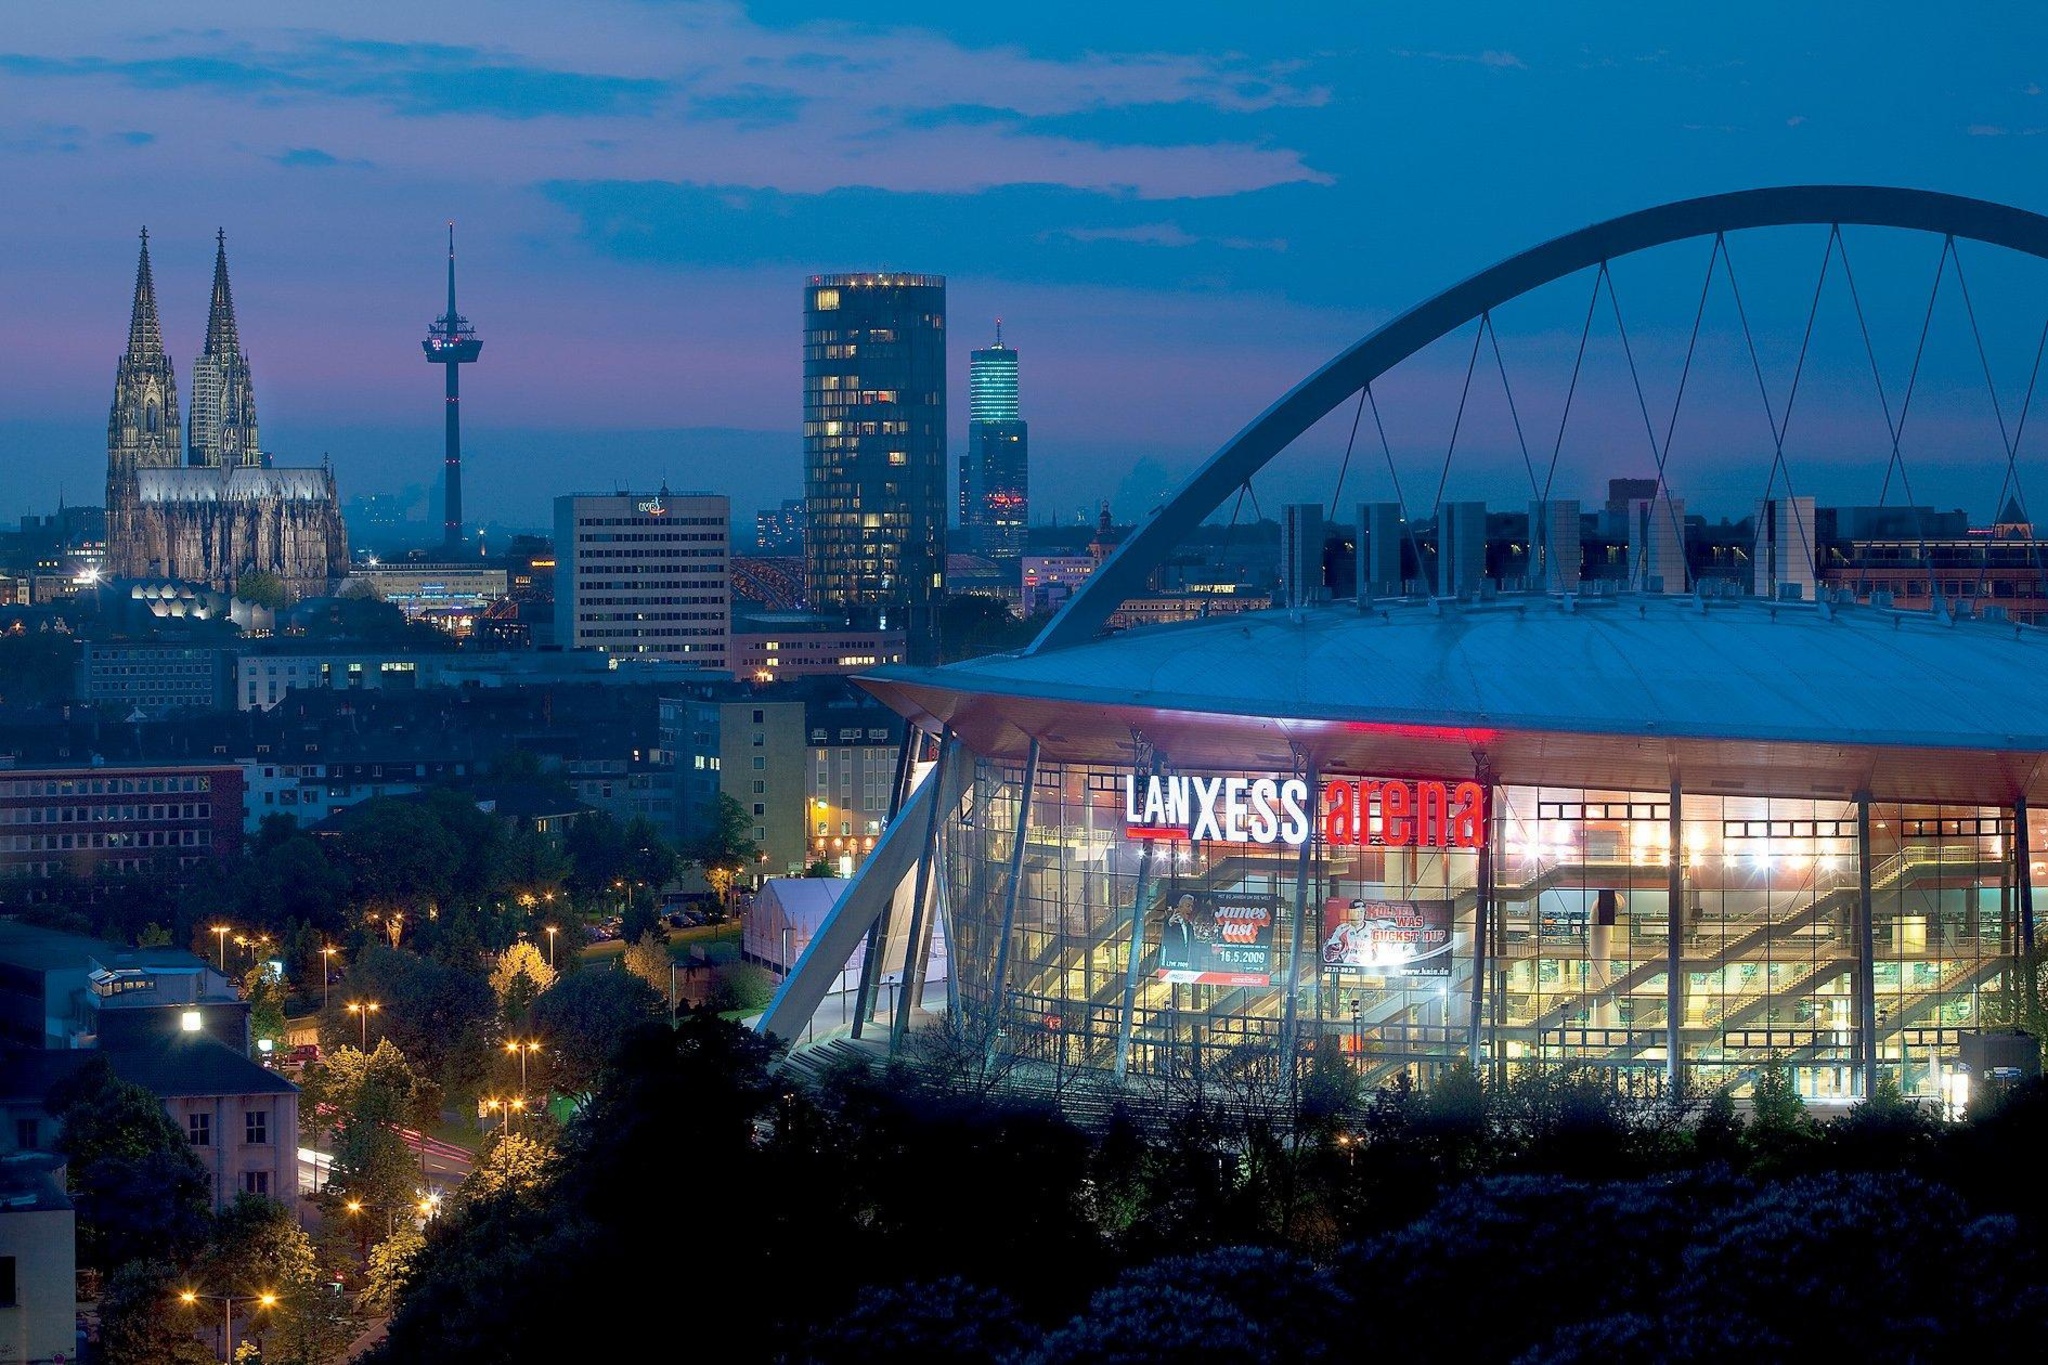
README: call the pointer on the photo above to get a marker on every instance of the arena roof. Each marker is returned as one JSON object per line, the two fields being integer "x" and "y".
{"x": 1737, "y": 694}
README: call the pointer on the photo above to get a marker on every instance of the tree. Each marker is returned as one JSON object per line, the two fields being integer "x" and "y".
{"x": 258, "y": 1247}
{"x": 726, "y": 849}
{"x": 265, "y": 994}
{"x": 648, "y": 958}
{"x": 138, "y": 1187}
{"x": 142, "y": 1321}
{"x": 391, "y": 1265}
{"x": 262, "y": 588}
{"x": 517, "y": 1166}
{"x": 584, "y": 1019}
{"x": 522, "y": 973}
{"x": 977, "y": 623}
{"x": 371, "y": 1098}
{"x": 819, "y": 868}
{"x": 440, "y": 1017}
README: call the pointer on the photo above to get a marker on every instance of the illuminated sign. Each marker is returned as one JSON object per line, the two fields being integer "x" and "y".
{"x": 654, "y": 507}
{"x": 1269, "y": 810}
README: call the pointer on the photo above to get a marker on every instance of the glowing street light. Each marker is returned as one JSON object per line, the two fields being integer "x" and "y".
{"x": 524, "y": 1048}
{"x": 266, "y": 1299}
{"x": 551, "y": 947}
{"x": 326, "y": 971}
{"x": 221, "y": 932}
{"x": 363, "y": 1009}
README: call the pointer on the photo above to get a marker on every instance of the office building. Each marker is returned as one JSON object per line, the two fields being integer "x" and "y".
{"x": 1656, "y": 545}
{"x": 81, "y": 822}
{"x": 875, "y": 451}
{"x": 152, "y": 680}
{"x": 995, "y": 472}
{"x": 1785, "y": 552}
{"x": 644, "y": 575}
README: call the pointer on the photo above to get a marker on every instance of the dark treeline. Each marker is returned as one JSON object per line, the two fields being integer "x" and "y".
{"x": 905, "y": 1217}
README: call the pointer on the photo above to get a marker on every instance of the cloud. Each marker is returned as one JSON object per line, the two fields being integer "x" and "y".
{"x": 314, "y": 158}
{"x": 415, "y": 79}
{"x": 699, "y": 91}
{"x": 1500, "y": 61}
{"x": 1795, "y": 120}
{"x": 1169, "y": 234}
{"x": 134, "y": 138}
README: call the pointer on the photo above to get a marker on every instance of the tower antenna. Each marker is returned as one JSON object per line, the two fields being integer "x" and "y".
{"x": 452, "y": 343}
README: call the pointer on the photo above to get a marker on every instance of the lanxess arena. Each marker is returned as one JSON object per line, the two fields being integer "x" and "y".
{"x": 1676, "y": 834}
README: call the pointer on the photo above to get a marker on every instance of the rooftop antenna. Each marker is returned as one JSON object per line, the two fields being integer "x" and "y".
{"x": 999, "y": 332}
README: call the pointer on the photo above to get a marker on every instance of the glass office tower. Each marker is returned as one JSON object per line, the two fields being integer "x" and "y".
{"x": 875, "y": 451}
{"x": 995, "y": 475}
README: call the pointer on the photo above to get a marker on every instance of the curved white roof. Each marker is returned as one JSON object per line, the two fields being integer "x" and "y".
{"x": 1644, "y": 672}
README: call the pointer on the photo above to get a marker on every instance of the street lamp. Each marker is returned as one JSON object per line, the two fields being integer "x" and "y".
{"x": 220, "y": 932}
{"x": 551, "y": 947}
{"x": 326, "y": 971}
{"x": 189, "y": 1297}
{"x": 523, "y": 1048}
{"x": 362, "y": 1010}
{"x": 355, "y": 1214}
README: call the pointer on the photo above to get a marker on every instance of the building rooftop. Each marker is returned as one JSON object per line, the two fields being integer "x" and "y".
{"x": 50, "y": 950}
{"x": 1546, "y": 688}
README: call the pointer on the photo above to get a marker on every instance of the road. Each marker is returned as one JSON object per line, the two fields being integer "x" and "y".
{"x": 443, "y": 1165}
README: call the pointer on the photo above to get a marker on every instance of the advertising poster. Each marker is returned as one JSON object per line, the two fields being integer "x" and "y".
{"x": 1217, "y": 938}
{"x": 1386, "y": 938}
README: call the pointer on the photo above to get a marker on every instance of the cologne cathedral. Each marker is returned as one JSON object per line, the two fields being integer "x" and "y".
{"x": 209, "y": 508}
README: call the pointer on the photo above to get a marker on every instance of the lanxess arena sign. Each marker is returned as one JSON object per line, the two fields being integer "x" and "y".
{"x": 1269, "y": 810}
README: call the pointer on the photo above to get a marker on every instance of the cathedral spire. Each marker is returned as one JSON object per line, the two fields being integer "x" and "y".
{"x": 221, "y": 335}
{"x": 222, "y": 431}
{"x": 145, "y": 334}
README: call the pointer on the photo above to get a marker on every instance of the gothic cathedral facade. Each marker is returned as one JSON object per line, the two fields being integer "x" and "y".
{"x": 208, "y": 508}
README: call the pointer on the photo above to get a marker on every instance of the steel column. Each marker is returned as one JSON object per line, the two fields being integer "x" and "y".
{"x": 1674, "y": 947}
{"x": 917, "y": 946}
{"x": 1290, "y": 1009}
{"x": 1866, "y": 954}
{"x": 878, "y": 932}
{"x": 1137, "y": 951}
{"x": 999, "y": 979}
{"x": 1482, "y": 923}
{"x": 2023, "y": 875}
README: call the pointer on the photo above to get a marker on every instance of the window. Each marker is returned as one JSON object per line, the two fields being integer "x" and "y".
{"x": 25, "y": 1134}
{"x": 199, "y": 1128}
{"x": 256, "y": 1127}
{"x": 760, "y": 763}
{"x": 759, "y": 787}
{"x": 7, "y": 1298}
{"x": 760, "y": 809}
{"x": 256, "y": 1182}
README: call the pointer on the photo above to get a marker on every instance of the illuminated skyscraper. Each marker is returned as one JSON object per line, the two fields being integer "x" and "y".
{"x": 995, "y": 473}
{"x": 875, "y": 451}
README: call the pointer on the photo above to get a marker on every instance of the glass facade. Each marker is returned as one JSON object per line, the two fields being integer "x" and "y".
{"x": 875, "y": 451}
{"x": 1377, "y": 939}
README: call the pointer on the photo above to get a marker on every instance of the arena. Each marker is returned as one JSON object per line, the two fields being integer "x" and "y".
{"x": 1674, "y": 833}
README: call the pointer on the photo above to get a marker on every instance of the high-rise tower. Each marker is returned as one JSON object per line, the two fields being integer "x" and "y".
{"x": 222, "y": 430}
{"x": 995, "y": 473}
{"x": 453, "y": 343}
{"x": 142, "y": 428}
{"x": 875, "y": 451}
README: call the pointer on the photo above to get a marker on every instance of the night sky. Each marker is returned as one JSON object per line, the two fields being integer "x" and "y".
{"x": 1175, "y": 218}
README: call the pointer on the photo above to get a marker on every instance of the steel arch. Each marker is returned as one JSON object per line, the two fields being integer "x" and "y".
{"x": 1125, "y": 571}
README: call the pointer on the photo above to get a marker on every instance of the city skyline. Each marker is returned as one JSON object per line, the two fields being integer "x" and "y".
{"x": 1177, "y": 228}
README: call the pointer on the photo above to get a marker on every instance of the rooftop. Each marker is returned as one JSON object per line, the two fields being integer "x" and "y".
{"x": 1549, "y": 689}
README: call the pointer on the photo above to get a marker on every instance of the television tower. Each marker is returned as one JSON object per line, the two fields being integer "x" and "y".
{"x": 453, "y": 343}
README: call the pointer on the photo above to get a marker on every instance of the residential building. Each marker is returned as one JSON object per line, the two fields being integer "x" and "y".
{"x": 645, "y": 575}
{"x": 1050, "y": 580}
{"x": 82, "y": 822}
{"x": 853, "y": 742}
{"x": 875, "y": 451}
{"x": 38, "y": 1261}
{"x": 804, "y": 647}
{"x": 153, "y": 678}
{"x": 780, "y": 530}
{"x": 451, "y": 596}
{"x": 761, "y": 766}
